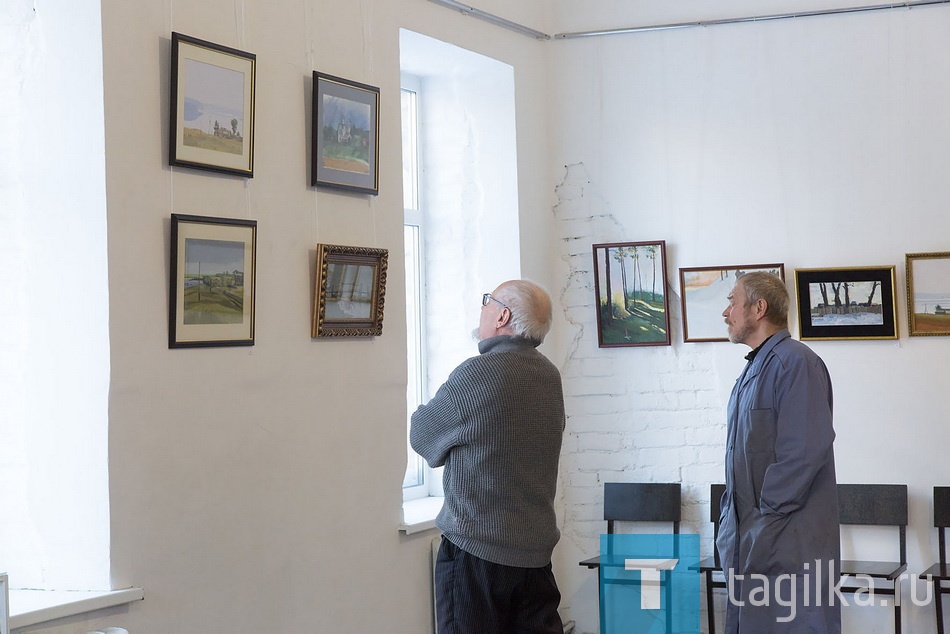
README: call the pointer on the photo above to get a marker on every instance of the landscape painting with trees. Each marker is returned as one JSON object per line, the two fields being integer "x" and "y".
{"x": 212, "y": 107}
{"x": 843, "y": 303}
{"x": 630, "y": 285}
{"x": 345, "y": 134}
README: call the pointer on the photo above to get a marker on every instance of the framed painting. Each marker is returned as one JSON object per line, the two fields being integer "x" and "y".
{"x": 630, "y": 288}
{"x": 350, "y": 291}
{"x": 704, "y": 293}
{"x": 928, "y": 293}
{"x": 212, "y": 107}
{"x": 846, "y": 303}
{"x": 211, "y": 290}
{"x": 345, "y": 134}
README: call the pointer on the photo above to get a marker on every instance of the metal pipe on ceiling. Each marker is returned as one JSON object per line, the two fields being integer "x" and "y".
{"x": 494, "y": 19}
{"x": 759, "y": 18}
{"x": 538, "y": 35}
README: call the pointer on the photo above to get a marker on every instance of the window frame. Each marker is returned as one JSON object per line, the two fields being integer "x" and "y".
{"x": 414, "y": 219}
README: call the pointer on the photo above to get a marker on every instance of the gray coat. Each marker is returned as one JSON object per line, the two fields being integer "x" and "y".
{"x": 780, "y": 509}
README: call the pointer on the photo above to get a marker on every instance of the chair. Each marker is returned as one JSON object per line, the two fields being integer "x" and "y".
{"x": 710, "y": 566}
{"x": 636, "y": 502}
{"x": 938, "y": 573}
{"x": 876, "y": 505}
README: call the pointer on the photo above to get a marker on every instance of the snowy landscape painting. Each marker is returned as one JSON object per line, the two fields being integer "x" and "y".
{"x": 853, "y": 303}
{"x": 705, "y": 292}
{"x": 846, "y": 308}
{"x": 630, "y": 284}
{"x": 928, "y": 293}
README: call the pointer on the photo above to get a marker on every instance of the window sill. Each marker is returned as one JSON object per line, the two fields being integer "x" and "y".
{"x": 419, "y": 515}
{"x": 31, "y": 607}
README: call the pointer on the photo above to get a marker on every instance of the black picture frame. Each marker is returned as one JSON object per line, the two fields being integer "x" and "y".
{"x": 345, "y": 153}
{"x": 827, "y": 310}
{"x": 645, "y": 318}
{"x": 212, "y": 288}
{"x": 212, "y": 107}
{"x": 349, "y": 291}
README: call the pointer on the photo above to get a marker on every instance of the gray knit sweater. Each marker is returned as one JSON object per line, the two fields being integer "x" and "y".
{"x": 496, "y": 425}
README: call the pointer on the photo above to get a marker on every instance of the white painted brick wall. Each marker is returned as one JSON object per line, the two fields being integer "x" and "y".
{"x": 647, "y": 414}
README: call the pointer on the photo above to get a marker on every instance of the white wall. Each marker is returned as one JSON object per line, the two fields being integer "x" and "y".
{"x": 272, "y": 505}
{"x": 54, "y": 346}
{"x": 815, "y": 142}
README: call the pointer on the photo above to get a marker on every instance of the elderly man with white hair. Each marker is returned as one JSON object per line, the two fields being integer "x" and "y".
{"x": 496, "y": 425}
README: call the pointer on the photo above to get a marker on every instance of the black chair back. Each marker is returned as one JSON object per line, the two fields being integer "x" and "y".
{"x": 873, "y": 504}
{"x": 942, "y": 507}
{"x": 642, "y": 502}
{"x": 942, "y": 519}
{"x": 715, "y": 501}
{"x": 715, "y": 512}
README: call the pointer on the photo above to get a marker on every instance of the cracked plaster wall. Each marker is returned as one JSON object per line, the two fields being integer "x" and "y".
{"x": 650, "y": 414}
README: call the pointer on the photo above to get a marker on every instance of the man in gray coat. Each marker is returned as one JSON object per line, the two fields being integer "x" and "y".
{"x": 779, "y": 539}
{"x": 496, "y": 426}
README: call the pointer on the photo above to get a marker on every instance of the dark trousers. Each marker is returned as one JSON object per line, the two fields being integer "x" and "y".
{"x": 474, "y": 596}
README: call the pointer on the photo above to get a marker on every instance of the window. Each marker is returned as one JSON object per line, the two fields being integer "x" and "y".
{"x": 415, "y": 484}
{"x": 54, "y": 350}
{"x": 460, "y": 199}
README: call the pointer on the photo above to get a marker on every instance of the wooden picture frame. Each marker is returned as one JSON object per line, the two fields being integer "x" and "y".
{"x": 350, "y": 291}
{"x": 212, "y": 107}
{"x": 846, "y": 303}
{"x": 704, "y": 293}
{"x": 637, "y": 315}
{"x": 928, "y": 293}
{"x": 212, "y": 282}
{"x": 345, "y": 134}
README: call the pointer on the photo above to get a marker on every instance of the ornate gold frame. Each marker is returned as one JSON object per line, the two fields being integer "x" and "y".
{"x": 347, "y": 303}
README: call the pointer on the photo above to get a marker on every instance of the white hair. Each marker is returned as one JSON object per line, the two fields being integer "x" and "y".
{"x": 530, "y": 306}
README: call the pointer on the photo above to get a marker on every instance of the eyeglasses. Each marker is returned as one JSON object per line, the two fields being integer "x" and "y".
{"x": 488, "y": 298}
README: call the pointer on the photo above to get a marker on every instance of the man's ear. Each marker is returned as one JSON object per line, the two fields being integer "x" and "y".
{"x": 504, "y": 317}
{"x": 761, "y": 308}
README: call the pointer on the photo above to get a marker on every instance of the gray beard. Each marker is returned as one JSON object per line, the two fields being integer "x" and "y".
{"x": 740, "y": 336}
